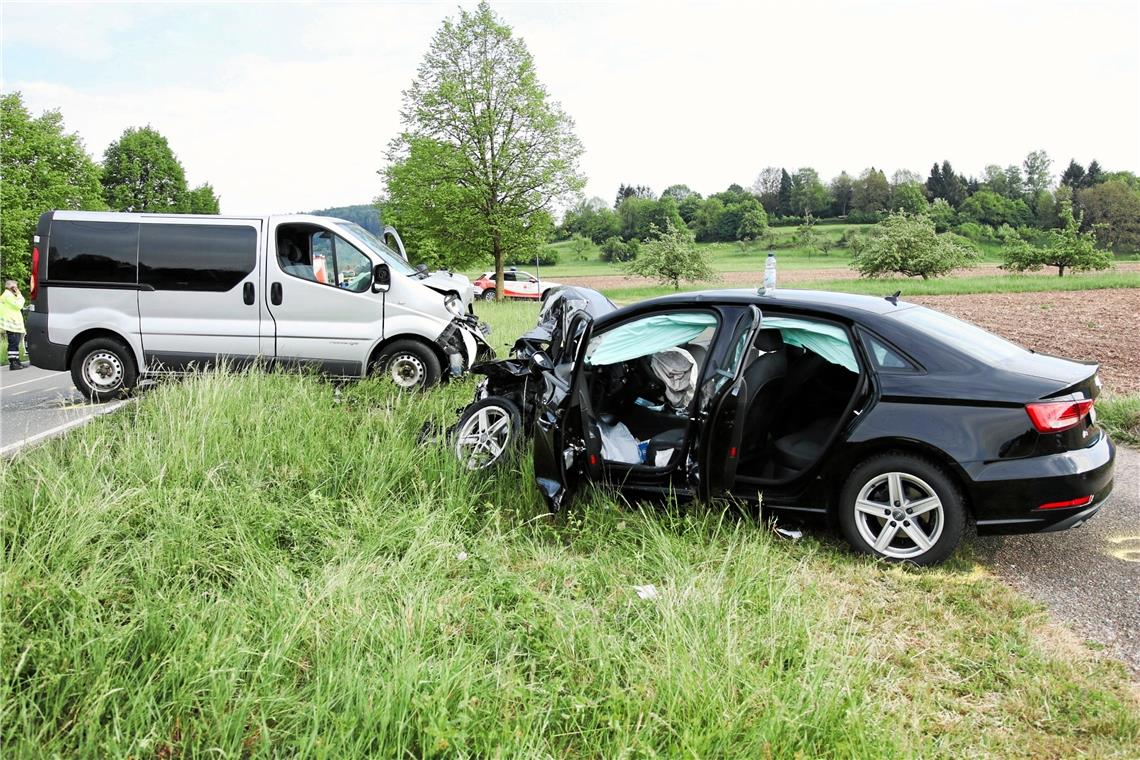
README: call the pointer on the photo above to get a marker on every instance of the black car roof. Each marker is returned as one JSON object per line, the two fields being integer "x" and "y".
{"x": 842, "y": 304}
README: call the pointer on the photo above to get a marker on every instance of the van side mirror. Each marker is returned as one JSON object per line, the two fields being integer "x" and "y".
{"x": 421, "y": 268}
{"x": 381, "y": 278}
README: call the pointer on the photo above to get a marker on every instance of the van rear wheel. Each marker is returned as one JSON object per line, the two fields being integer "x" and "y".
{"x": 103, "y": 369}
{"x": 409, "y": 364}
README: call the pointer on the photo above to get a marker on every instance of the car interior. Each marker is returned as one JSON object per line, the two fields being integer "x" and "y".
{"x": 801, "y": 376}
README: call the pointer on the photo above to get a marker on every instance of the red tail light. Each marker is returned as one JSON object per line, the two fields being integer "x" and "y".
{"x": 1081, "y": 502}
{"x": 35, "y": 273}
{"x": 1055, "y": 416}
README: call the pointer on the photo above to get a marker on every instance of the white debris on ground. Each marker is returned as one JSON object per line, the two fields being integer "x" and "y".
{"x": 646, "y": 592}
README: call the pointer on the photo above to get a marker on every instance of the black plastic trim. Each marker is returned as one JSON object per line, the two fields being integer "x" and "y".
{"x": 97, "y": 285}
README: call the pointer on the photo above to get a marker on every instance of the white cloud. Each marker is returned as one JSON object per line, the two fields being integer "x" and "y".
{"x": 661, "y": 93}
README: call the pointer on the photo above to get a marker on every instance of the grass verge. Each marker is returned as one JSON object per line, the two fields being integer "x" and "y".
{"x": 264, "y": 565}
{"x": 1120, "y": 416}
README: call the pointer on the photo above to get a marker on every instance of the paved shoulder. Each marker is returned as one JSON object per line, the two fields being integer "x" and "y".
{"x": 35, "y": 402}
{"x": 1089, "y": 577}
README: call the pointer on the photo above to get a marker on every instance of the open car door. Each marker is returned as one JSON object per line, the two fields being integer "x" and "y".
{"x": 567, "y": 442}
{"x": 722, "y": 411}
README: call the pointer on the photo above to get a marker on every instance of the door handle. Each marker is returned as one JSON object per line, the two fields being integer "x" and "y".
{"x": 275, "y": 294}
{"x": 247, "y": 294}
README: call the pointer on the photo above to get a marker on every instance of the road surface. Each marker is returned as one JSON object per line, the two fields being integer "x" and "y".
{"x": 36, "y": 401}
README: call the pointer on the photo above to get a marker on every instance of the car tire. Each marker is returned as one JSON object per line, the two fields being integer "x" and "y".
{"x": 409, "y": 364}
{"x": 103, "y": 369}
{"x": 488, "y": 295}
{"x": 903, "y": 508}
{"x": 487, "y": 433}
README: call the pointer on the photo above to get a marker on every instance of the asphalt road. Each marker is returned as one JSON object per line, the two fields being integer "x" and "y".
{"x": 35, "y": 401}
{"x": 1090, "y": 576}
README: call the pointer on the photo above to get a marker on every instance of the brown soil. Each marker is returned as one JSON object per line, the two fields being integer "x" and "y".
{"x": 1094, "y": 325}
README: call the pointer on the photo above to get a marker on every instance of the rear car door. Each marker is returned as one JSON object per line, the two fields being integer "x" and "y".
{"x": 198, "y": 295}
{"x": 721, "y": 410}
{"x": 568, "y": 444}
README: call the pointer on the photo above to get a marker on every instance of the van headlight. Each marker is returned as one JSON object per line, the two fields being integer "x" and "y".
{"x": 454, "y": 304}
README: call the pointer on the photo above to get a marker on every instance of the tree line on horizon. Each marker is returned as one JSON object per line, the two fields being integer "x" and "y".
{"x": 43, "y": 167}
{"x": 1016, "y": 196}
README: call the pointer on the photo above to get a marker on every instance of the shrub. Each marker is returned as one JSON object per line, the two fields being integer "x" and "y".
{"x": 547, "y": 257}
{"x": 670, "y": 256}
{"x": 617, "y": 250}
{"x": 1066, "y": 248}
{"x": 974, "y": 231}
{"x": 908, "y": 245}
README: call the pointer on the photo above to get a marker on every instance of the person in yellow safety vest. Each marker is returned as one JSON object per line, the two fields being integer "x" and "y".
{"x": 12, "y": 321}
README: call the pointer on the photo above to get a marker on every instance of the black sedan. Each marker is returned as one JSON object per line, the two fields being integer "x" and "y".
{"x": 899, "y": 423}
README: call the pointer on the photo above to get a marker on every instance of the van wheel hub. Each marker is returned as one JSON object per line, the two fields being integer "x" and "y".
{"x": 103, "y": 370}
{"x": 407, "y": 371}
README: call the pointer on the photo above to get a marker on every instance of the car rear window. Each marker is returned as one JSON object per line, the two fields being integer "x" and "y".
{"x": 966, "y": 338}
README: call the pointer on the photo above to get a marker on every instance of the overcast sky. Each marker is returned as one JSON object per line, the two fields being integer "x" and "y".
{"x": 288, "y": 107}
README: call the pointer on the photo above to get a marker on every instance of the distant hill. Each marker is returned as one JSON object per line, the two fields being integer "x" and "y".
{"x": 365, "y": 214}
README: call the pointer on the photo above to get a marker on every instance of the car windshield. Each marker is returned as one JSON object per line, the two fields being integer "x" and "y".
{"x": 377, "y": 246}
{"x": 963, "y": 336}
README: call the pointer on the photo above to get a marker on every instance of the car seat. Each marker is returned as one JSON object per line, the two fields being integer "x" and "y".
{"x": 764, "y": 382}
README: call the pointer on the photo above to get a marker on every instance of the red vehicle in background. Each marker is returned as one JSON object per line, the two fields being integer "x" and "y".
{"x": 516, "y": 284}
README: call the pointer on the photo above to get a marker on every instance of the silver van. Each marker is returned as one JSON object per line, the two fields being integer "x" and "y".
{"x": 117, "y": 297}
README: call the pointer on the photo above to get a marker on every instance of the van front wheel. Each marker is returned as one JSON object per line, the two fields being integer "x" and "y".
{"x": 409, "y": 364}
{"x": 103, "y": 369}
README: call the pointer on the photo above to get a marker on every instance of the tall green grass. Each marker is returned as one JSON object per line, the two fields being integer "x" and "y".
{"x": 270, "y": 565}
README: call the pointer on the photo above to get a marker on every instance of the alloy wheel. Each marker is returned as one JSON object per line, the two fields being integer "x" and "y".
{"x": 483, "y": 437}
{"x": 899, "y": 515}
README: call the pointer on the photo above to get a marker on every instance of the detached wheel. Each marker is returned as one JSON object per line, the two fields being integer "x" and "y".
{"x": 409, "y": 364}
{"x": 488, "y": 430}
{"x": 488, "y": 295}
{"x": 903, "y": 508}
{"x": 103, "y": 370}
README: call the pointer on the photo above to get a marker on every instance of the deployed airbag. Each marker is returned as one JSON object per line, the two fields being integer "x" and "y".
{"x": 829, "y": 341}
{"x": 646, "y": 336}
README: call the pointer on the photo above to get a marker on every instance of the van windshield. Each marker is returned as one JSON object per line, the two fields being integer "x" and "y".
{"x": 374, "y": 244}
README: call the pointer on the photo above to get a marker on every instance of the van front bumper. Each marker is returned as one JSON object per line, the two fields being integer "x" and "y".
{"x": 464, "y": 343}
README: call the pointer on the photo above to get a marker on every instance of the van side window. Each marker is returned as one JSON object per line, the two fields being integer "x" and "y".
{"x": 198, "y": 257}
{"x": 103, "y": 252}
{"x": 313, "y": 253}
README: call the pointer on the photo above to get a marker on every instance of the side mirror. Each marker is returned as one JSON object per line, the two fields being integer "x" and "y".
{"x": 540, "y": 361}
{"x": 421, "y": 268}
{"x": 533, "y": 279}
{"x": 381, "y": 278}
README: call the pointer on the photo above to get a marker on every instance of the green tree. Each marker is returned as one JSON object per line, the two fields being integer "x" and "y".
{"x": 640, "y": 215}
{"x": 987, "y": 207}
{"x": 784, "y": 194}
{"x": 483, "y": 145}
{"x": 617, "y": 250}
{"x": 1112, "y": 210}
{"x": 203, "y": 200}
{"x": 670, "y": 257}
{"x": 909, "y": 197}
{"x": 1037, "y": 172}
{"x": 42, "y": 168}
{"x": 809, "y": 196}
{"x": 141, "y": 173}
{"x": 908, "y": 245}
{"x": 842, "y": 189}
{"x": 944, "y": 183}
{"x": 767, "y": 189}
{"x": 807, "y": 237}
{"x": 942, "y": 215}
{"x": 753, "y": 222}
{"x": 1066, "y": 248}
{"x": 678, "y": 192}
{"x": 872, "y": 192}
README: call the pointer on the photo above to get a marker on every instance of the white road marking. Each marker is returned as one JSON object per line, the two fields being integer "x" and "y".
{"x": 35, "y": 380}
{"x": 12, "y": 448}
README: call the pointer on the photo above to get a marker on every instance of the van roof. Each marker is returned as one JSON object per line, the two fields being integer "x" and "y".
{"x": 125, "y": 216}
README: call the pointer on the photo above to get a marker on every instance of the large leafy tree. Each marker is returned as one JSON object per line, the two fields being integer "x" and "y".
{"x": 141, "y": 173}
{"x": 808, "y": 196}
{"x": 484, "y": 153}
{"x": 842, "y": 190}
{"x": 1112, "y": 210}
{"x": 203, "y": 200}
{"x": 670, "y": 257}
{"x": 872, "y": 192}
{"x": 908, "y": 245}
{"x": 42, "y": 168}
